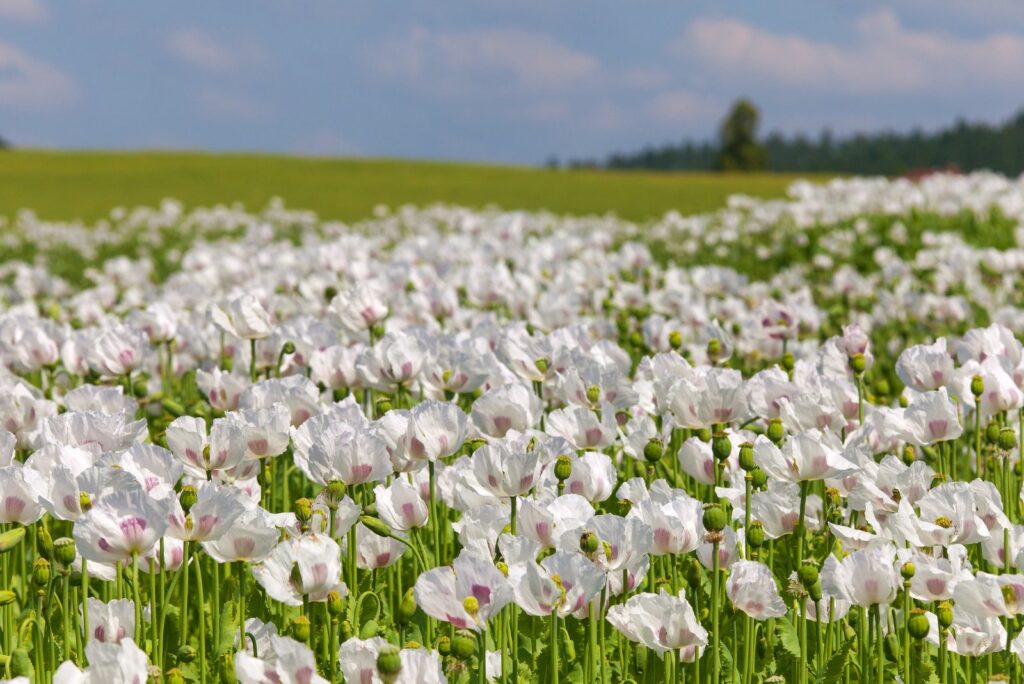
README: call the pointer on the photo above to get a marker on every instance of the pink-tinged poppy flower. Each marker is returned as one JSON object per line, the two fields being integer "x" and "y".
{"x": 925, "y": 367}
{"x": 661, "y": 622}
{"x": 288, "y": 662}
{"x": 250, "y": 538}
{"x": 751, "y": 588}
{"x": 117, "y": 351}
{"x": 867, "y": 577}
{"x": 121, "y": 661}
{"x": 120, "y": 525}
{"x": 215, "y": 510}
{"x": 308, "y": 566}
{"x": 21, "y": 492}
{"x": 243, "y": 317}
{"x": 400, "y": 505}
{"x": 110, "y": 622}
{"x": 466, "y": 594}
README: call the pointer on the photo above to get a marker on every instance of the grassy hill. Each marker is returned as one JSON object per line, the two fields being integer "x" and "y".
{"x": 86, "y": 185}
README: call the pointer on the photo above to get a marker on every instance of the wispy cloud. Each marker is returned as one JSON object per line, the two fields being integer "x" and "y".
{"x": 28, "y": 11}
{"x": 202, "y": 50}
{"x": 27, "y": 83}
{"x": 881, "y": 56}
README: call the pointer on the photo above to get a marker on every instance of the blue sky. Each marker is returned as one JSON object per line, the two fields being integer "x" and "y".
{"x": 499, "y": 80}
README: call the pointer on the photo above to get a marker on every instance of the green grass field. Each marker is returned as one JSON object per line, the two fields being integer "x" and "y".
{"x": 86, "y": 185}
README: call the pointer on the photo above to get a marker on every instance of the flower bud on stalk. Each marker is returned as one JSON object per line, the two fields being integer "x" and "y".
{"x": 721, "y": 447}
{"x": 563, "y": 469}
{"x": 747, "y": 457}
{"x": 1007, "y": 439}
{"x": 653, "y": 451}
{"x": 188, "y": 498}
{"x": 977, "y": 385}
{"x": 464, "y": 644}
{"x": 918, "y": 625}
{"x": 300, "y": 629}
{"x": 389, "y": 665}
{"x": 776, "y": 431}
{"x": 755, "y": 535}
{"x": 589, "y": 543}
{"x": 11, "y": 538}
{"x": 945, "y": 614}
{"x": 858, "y": 364}
{"x": 64, "y": 552}
{"x": 41, "y": 573}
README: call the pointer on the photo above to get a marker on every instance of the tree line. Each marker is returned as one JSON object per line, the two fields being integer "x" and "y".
{"x": 964, "y": 146}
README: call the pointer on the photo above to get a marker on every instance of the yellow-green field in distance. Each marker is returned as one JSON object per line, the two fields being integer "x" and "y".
{"x": 86, "y": 185}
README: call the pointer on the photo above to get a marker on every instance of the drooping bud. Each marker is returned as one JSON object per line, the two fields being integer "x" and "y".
{"x": 288, "y": 347}
{"x": 376, "y": 525}
{"x": 7, "y": 597}
{"x": 692, "y": 572}
{"x": 226, "y": 666}
{"x": 44, "y": 542}
{"x": 407, "y": 608}
{"x": 186, "y": 654}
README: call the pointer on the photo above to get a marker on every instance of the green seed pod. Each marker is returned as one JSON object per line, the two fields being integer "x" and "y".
{"x": 747, "y": 457}
{"x": 1007, "y": 439}
{"x": 186, "y": 654}
{"x": 858, "y": 364}
{"x": 776, "y": 431}
{"x": 303, "y": 510}
{"x": 593, "y": 394}
{"x": 444, "y": 645}
{"x": 788, "y": 362}
{"x": 755, "y": 535}
{"x": 992, "y": 433}
{"x": 760, "y": 478}
{"x": 389, "y": 664}
{"x": 675, "y": 339}
{"x": 589, "y": 542}
{"x": 64, "y": 551}
{"x": 300, "y": 629}
{"x": 541, "y": 364}
{"x": 715, "y": 518}
{"x": 918, "y": 625}
{"x": 188, "y": 498}
{"x": 44, "y": 542}
{"x": 721, "y": 446}
{"x": 704, "y": 435}
{"x": 563, "y": 468}
{"x": 334, "y": 492}
{"x": 464, "y": 644}
{"x": 808, "y": 574}
{"x": 11, "y": 538}
{"x": 908, "y": 570}
{"x": 945, "y": 614}
{"x": 335, "y": 604}
{"x": 383, "y": 405}
{"x": 692, "y": 572}
{"x": 977, "y": 385}
{"x": 653, "y": 451}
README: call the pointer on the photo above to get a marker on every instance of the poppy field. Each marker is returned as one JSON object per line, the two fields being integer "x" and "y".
{"x": 777, "y": 442}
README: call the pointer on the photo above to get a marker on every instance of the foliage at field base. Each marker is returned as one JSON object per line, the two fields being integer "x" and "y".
{"x": 780, "y": 442}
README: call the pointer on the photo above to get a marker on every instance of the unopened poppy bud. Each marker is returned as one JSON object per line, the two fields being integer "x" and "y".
{"x": 563, "y": 468}
{"x": 755, "y": 535}
{"x": 593, "y": 394}
{"x": 346, "y": 630}
{"x": 378, "y": 330}
{"x": 675, "y": 339}
{"x": 1007, "y": 439}
{"x": 918, "y": 626}
{"x": 541, "y": 364}
{"x": 747, "y": 457}
{"x": 407, "y": 608}
{"x": 389, "y": 664}
{"x": 186, "y": 654}
{"x": 653, "y": 451}
{"x": 226, "y": 666}
{"x": 721, "y": 446}
{"x": 464, "y": 644}
{"x": 891, "y": 647}
{"x": 383, "y": 405}
{"x": 303, "y": 510}
{"x": 375, "y": 525}
{"x": 84, "y": 502}
{"x": 858, "y": 364}
{"x": 288, "y": 347}
{"x": 945, "y": 614}
{"x": 444, "y": 645}
{"x": 704, "y": 435}
{"x": 909, "y": 456}
{"x": 692, "y": 572}
{"x": 44, "y": 542}
{"x": 330, "y": 292}
{"x": 41, "y": 573}
{"x": 715, "y": 518}
{"x": 175, "y": 676}
{"x": 759, "y": 478}
{"x": 335, "y": 604}
{"x": 64, "y": 551}
{"x": 908, "y": 570}
{"x": 788, "y": 362}
{"x": 776, "y": 431}
{"x": 300, "y": 629}
{"x": 589, "y": 542}
{"x": 188, "y": 498}
{"x": 977, "y": 385}
{"x": 7, "y": 597}
{"x": 882, "y": 387}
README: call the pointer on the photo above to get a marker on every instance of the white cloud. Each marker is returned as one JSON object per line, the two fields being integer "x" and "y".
{"x": 883, "y": 56}
{"x": 483, "y": 60}
{"x": 198, "y": 48}
{"x": 683, "y": 106}
{"x": 29, "y": 11}
{"x": 27, "y": 83}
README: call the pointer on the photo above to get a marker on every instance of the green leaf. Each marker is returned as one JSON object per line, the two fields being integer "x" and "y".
{"x": 836, "y": 665}
{"x": 787, "y": 636}
{"x": 225, "y": 641}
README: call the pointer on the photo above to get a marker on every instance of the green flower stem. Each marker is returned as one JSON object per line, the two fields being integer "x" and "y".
{"x": 202, "y": 619}
{"x": 554, "y": 646}
{"x": 242, "y": 572}
{"x": 153, "y": 617}
{"x": 183, "y": 624}
{"x": 252, "y": 361}
{"x": 137, "y": 597}
{"x": 716, "y": 661}
{"x": 482, "y": 658}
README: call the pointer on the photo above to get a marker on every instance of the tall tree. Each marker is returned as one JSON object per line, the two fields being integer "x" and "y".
{"x": 740, "y": 150}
